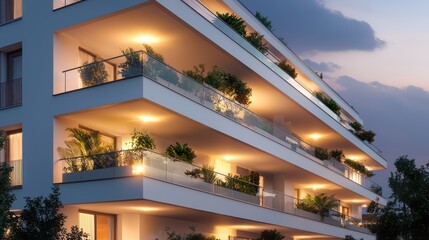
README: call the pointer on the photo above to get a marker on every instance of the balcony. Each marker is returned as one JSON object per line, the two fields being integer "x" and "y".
{"x": 141, "y": 162}
{"x": 208, "y": 97}
{"x": 10, "y": 93}
{"x": 57, "y": 4}
{"x": 10, "y": 10}
{"x": 270, "y": 60}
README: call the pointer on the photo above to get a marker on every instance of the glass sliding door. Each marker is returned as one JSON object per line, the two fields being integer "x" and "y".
{"x": 12, "y": 86}
{"x": 99, "y": 226}
{"x": 12, "y": 154}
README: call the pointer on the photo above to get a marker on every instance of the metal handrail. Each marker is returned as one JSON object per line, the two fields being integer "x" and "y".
{"x": 337, "y": 118}
{"x": 205, "y": 95}
{"x": 174, "y": 170}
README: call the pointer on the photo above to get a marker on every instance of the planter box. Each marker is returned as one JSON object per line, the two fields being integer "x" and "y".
{"x": 124, "y": 171}
{"x": 72, "y": 177}
{"x": 98, "y": 174}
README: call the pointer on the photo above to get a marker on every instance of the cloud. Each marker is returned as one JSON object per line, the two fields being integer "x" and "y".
{"x": 309, "y": 26}
{"x": 399, "y": 116}
{"x": 322, "y": 66}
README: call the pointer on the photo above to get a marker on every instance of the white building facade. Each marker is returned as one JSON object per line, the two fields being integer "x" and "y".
{"x": 46, "y": 46}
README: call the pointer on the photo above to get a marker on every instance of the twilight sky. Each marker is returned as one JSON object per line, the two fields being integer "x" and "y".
{"x": 374, "y": 53}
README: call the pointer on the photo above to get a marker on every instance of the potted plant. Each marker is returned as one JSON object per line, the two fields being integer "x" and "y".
{"x": 181, "y": 152}
{"x": 93, "y": 73}
{"x": 133, "y": 65}
{"x": 320, "y": 204}
{"x": 291, "y": 71}
{"x": 271, "y": 235}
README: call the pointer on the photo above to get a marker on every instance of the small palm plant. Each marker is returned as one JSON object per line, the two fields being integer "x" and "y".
{"x": 320, "y": 204}
{"x": 181, "y": 151}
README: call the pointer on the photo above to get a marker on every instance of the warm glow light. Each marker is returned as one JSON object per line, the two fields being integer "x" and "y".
{"x": 138, "y": 169}
{"x": 147, "y": 118}
{"x": 243, "y": 227}
{"x": 354, "y": 157}
{"x": 147, "y": 209}
{"x": 355, "y": 201}
{"x": 146, "y": 39}
{"x": 364, "y": 205}
{"x": 316, "y": 186}
{"x": 228, "y": 157}
{"x": 315, "y": 136}
{"x": 308, "y": 236}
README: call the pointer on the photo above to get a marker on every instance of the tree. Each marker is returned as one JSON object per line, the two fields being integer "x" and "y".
{"x": 41, "y": 219}
{"x": 6, "y": 200}
{"x": 271, "y": 235}
{"x": 407, "y": 212}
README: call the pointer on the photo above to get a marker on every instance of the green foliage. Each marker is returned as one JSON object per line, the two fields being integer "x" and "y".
{"x": 349, "y": 237}
{"x": 181, "y": 152}
{"x": 320, "y": 204}
{"x": 41, "y": 219}
{"x": 205, "y": 173}
{"x": 264, "y": 20}
{"x": 271, "y": 234}
{"x": 155, "y": 66}
{"x": 337, "y": 155}
{"x": 356, "y": 126}
{"x": 238, "y": 24}
{"x": 93, "y": 73}
{"x": 76, "y": 234}
{"x": 2, "y": 139}
{"x": 331, "y": 104}
{"x": 141, "y": 140}
{"x": 234, "y": 21}
{"x": 361, "y": 133}
{"x": 291, "y": 71}
{"x": 172, "y": 235}
{"x": 133, "y": 63}
{"x": 358, "y": 167}
{"x": 366, "y": 136}
{"x": 407, "y": 212}
{"x": 87, "y": 145}
{"x": 223, "y": 81}
{"x": 321, "y": 153}
{"x": 6, "y": 199}
{"x": 245, "y": 184}
{"x": 257, "y": 40}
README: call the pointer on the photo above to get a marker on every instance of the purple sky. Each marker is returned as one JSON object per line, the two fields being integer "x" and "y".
{"x": 374, "y": 53}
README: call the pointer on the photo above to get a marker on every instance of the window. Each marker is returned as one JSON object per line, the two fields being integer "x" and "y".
{"x": 99, "y": 226}
{"x": 13, "y": 155}
{"x": 345, "y": 211}
{"x": 10, "y": 10}
{"x": 296, "y": 196}
{"x": 10, "y": 87}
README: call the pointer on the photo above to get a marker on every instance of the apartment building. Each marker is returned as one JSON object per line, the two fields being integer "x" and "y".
{"x": 65, "y": 64}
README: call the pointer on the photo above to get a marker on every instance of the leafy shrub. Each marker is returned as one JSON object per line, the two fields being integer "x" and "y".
{"x": 172, "y": 235}
{"x": 133, "y": 65}
{"x": 337, "y": 155}
{"x": 321, "y": 153}
{"x": 93, "y": 73}
{"x": 359, "y": 167}
{"x": 264, "y": 20}
{"x": 271, "y": 235}
{"x": 223, "y": 81}
{"x": 331, "y": 104}
{"x": 320, "y": 204}
{"x": 234, "y": 21}
{"x": 291, "y": 71}
{"x": 356, "y": 126}
{"x": 142, "y": 140}
{"x": 2, "y": 139}
{"x": 366, "y": 136}
{"x": 76, "y": 234}
{"x": 181, "y": 151}
{"x": 257, "y": 40}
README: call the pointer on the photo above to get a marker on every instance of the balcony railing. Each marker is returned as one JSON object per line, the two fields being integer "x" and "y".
{"x": 10, "y": 10}
{"x": 16, "y": 174}
{"x": 210, "y": 98}
{"x": 64, "y": 3}
{"x": 268, "y": 59}
{"x": 141, "y": 162}
{"x": 10, "y": 93}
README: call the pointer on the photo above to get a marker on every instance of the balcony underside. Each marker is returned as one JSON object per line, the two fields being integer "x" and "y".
{"x": 168, "y": 127}
{"x": 183, "y": 48}
{"x": 167, "y": 200}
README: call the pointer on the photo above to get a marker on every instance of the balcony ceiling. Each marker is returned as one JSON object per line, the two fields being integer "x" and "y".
{"x": 188, "y": 215}
{"x": 168, "y": 127}
{"x": 183, "y": 47}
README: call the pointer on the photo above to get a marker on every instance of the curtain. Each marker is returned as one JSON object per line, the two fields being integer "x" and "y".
{"x": 87, "y": 223}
